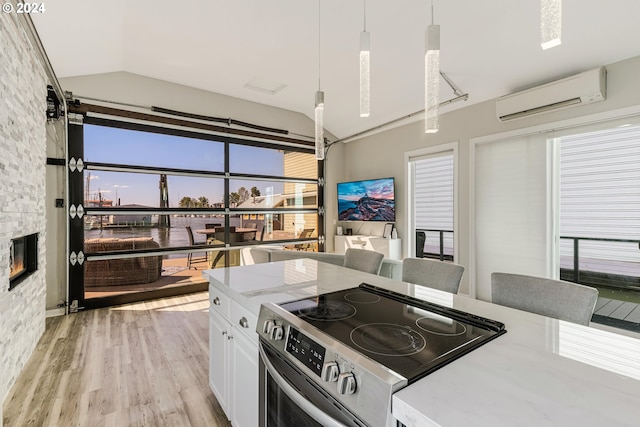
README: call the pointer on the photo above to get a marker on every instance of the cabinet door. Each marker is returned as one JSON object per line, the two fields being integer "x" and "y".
{"x": 219, "y": 329}
{"x": 244, "y": 369}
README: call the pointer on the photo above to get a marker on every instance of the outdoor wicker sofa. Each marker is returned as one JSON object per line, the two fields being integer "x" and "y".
{"x": 119, "y": 272}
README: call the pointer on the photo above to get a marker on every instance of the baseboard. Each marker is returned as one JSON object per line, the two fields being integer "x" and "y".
{"x": 55, "y": 312}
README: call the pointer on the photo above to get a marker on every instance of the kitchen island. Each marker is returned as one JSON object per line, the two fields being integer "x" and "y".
{"x": 541, "y": 372}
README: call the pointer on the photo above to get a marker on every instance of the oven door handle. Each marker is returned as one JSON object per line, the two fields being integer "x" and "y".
{"x": 308, "y": 407}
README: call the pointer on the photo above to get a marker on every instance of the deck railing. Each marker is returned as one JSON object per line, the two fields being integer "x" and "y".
{"x": 595, "y": 278}
{"x": 438, "y": 255}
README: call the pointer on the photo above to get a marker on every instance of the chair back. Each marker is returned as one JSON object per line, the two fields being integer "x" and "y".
{"x": 190, "y": 235}
{"x": 304, "y": 234}
{"x": 444, "y": 276}
{"x": 363, "y": 260}
{"x": 552, "y": 298}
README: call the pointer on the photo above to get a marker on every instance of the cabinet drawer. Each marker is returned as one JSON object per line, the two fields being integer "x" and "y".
{"x": 244, "y": 320}
{"x": 220, "y": 302}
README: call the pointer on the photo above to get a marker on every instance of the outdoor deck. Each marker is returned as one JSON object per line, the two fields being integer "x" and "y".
{"x": 621, "y": 314}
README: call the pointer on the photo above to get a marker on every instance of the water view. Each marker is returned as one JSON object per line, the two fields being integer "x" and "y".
{"x": 173, "y": 236}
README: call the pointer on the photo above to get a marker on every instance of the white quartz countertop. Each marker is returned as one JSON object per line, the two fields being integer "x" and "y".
{"x": 278, "y": 282}
{"x": 542, "y": 372}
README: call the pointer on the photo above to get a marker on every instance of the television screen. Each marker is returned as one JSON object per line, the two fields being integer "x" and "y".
{"x": 370, "y": 200}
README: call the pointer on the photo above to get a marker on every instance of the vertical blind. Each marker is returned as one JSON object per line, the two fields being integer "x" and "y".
{"x": 512, "y": 209}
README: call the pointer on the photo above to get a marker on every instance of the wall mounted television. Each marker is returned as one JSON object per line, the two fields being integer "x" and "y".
{"x": 367, "y": 200}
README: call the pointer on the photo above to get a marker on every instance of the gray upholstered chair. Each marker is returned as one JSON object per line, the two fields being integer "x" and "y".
{"x": 363, "y": 260}
{"x": 444, "y": 276}
{"x": 552, "y": 298}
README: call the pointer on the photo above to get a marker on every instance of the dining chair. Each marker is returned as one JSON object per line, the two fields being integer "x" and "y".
{"x": 304, "y": 234}
{"x": 190, "y": 258}
{"x": 552, "y": 298}
{"x": 444, "y": 276}
{"x": 363, "y": 260}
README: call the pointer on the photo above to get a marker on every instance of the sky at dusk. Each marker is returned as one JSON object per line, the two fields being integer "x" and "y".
{"x": 121, "y": 146}
{"x": 375, "y": 188}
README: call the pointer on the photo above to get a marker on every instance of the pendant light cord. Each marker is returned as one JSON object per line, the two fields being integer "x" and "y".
{"x": 365, "y": 16}
{"x": 432, "y": 13}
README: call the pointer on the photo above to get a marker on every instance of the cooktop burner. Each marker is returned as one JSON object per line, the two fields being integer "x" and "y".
{"x": 407, "y": 335}
{"x": 362, "y": 297}
{"x": 387, "y": 339}
{"x": 440, "y": 325}
{"x": 327, "y": 311}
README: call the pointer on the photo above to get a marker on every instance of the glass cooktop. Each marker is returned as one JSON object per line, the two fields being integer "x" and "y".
{"x": 409, "y": 336}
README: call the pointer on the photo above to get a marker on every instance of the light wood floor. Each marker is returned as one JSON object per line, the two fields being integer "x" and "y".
{"x": 143, "y": 364}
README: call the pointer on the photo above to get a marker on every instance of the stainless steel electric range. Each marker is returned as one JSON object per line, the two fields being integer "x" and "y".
{"x": 336, "y": 359}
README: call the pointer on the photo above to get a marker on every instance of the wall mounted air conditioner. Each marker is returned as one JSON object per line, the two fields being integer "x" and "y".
{"x": 583, "y": 88}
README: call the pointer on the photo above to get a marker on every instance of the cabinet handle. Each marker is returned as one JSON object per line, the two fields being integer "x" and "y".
{"x": 244, "y": 322}
{"x": 224, "y": 332}
{"x": 229, "y": 337}
{"x": 216, "y": 301}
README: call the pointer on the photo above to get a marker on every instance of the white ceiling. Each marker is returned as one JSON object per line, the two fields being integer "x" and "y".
{"x": 489, "y": 48}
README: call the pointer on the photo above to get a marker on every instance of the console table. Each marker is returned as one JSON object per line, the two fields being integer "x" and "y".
{"x": 391, "y": 248}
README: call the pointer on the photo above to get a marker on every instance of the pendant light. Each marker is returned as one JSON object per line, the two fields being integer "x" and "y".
{"x": 319, "y": 106}
{"x": 365, "y": 69}
{"x": 431, "y": 76}
{"x": 550, "y": 23}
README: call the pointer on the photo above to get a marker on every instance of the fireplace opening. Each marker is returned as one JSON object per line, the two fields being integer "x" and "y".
{"x": 23, "y": 258}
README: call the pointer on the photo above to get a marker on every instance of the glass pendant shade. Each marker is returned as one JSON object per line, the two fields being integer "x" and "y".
{"x": 432, "y": 79}
{"x": 365, "y": 74}
{"x": 550, "y": 23}
{"x": 319, "y": 120}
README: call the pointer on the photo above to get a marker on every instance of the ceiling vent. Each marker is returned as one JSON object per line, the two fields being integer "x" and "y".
{"x": 583, "y": 88}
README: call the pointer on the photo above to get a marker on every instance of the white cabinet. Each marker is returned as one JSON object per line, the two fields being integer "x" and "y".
{"x": 391, "y": 248}
{"x": 244, "y": 372}
{"x": 219, "y": 329}
{"x": 233, "y": 360}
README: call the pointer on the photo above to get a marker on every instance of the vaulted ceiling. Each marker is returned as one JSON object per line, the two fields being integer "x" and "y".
{"x": 489, "y": 48}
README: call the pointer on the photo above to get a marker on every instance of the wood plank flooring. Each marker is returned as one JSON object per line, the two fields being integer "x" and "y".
{"x": 142, "y": 364}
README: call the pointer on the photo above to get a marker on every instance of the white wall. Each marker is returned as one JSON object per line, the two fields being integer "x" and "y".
{"x": 383, "y": 154}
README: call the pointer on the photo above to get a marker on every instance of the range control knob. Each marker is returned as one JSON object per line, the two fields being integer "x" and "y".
{"x": 346, "y": 383}
{"x": 277, "y": 333}
{"x": 268, "y": 326}
{"x": 330, "y": 371}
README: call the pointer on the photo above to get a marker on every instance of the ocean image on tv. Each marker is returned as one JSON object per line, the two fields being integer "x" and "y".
{"x": 371, "y": 200}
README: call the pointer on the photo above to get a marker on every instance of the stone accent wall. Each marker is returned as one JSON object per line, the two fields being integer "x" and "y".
{"x": 23, "y": 89}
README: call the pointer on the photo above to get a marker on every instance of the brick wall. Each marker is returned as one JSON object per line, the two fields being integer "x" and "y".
{"x": 22, "y": 193}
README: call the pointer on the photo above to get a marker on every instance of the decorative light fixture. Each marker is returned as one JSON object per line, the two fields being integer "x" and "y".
{"x": 550, "y": 23}
{"x": 431, "y": 76}
{"x": 319, "y": 111}
{"x": 365, "y": 69}
{"x": 319, "y": 118}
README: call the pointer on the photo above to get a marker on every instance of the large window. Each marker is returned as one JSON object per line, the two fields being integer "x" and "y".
{"x": 158, "y": 208}
{"x": 432, "y": 202}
